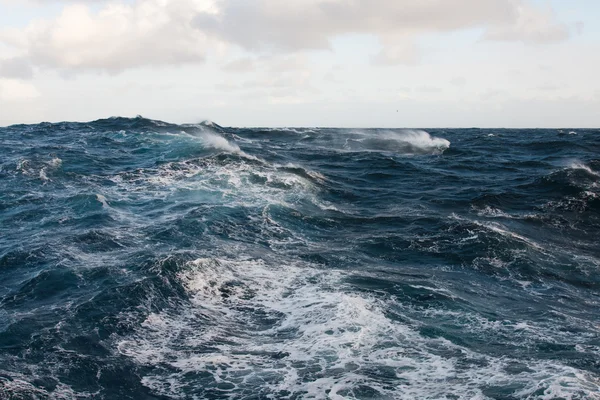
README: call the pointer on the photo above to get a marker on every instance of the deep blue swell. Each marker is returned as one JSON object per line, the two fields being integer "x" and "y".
{"x": 140, "y": 259}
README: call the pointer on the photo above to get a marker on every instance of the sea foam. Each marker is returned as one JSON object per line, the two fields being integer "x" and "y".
{"x": 301, "y": 331}
{"x": 218, "y": 142}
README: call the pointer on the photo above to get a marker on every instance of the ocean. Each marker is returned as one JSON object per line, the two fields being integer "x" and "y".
{"x": 146, "y": 260}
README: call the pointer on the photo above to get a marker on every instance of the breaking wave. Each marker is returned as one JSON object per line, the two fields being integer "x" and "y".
{"x": 303, "y": 332}
{"x": 405, "y": 141}
{"x": 219, "y": 142}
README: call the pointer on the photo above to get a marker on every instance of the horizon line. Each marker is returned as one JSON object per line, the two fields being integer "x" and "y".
{"x": 208, "y": 122}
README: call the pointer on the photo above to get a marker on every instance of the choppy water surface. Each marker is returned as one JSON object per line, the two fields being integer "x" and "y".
{"x": 145, "y": 260}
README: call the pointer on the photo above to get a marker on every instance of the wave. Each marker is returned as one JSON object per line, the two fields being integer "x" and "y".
{"x": 403, "y": 142}
{"x": 579, "y": 186}
{"x": 302, "y": 332}
{"x": 577, "y": 165}
{"x": 229, "y": 178}
{"x": 194, "y": 260}
{"x": 38, "y": 168}
{"x": 16, "y": 386}
{"x": 219, "y": 142}
{"x": 493, "y": 212}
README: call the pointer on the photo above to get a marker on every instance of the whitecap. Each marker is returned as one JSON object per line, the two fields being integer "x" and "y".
{"x": 18, "y": 387}
{"x": 55, "y": 162}
{"x": 43, "y": 175}
{"x": 504, "y": 231}
{"x": 492, "y": 212}
{"x": 294, "y": 330}
{"x": 402, "y": 142}
{"x": 101, "y": 199}
{"x": 22, "y": 165}
{"x": 582, "y": 166}
{"x": 219, "y": 142}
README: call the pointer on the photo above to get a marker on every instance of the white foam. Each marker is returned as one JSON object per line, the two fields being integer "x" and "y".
{"x": 43, "y": 175}
{"x": 241, "y": 181}
{"x": 580, "y": 165}
{"x": 404, "y": 142}
{"x": 101, "y": 199}
{"x": 289, "y": 328}
{"x": 18, "y": 387}
{"x": 420, "y": 139}
{"x": 26, "y": 168}
{"x": 292, "y": 130}
{"x": 55, "y": 162}
{"x": 219, "y": 142}
{"x": 241, "y": 139}
{"x": 313, "y": 174}
{"x": 22, "y": 164}
{"x": 492, "y": 212}
{"x": 498, "y": 228}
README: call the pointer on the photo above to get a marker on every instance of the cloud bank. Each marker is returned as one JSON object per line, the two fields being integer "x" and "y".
{"x": 115, "y": 36}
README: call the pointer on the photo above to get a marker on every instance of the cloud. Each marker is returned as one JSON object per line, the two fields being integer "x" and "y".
{"x": 17, "y": 67}
{"x": 277, "y": 79}
{"x": 274, "y": 72}
{"x": 397, "y": 50}
{"x": 274, "y": 25}
{"x": 459, "y": 81}
{"x": 310, "y": 24}
{"x": 532, "y": 25}
{"x": 491, "y": 94}
{"x": 119, "y": 36}
{"x": 429, "y": 89}
{"x": 13, "y": 90}
{"x": 246, "y": 64}
{"x": 113, "y": 36}
{"x": 548, "y": 87}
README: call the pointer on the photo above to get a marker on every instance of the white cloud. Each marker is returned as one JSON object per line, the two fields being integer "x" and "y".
{"x": 459, "y": 81}
{"x": 309, "y": 24}
{"x": 258, "y": 64}
{"x": 12, "y": 90}
{"x": 114, "y": 36}
{"x": 119, "y": 36}
{"x": 275, "y": 77}
{"x": 532, "y": 25}
{"x": 245, "y": 64}
{"x": 16, "y": 67}
{"x": 397, "y": 50}
{"x": 275, "y": 25}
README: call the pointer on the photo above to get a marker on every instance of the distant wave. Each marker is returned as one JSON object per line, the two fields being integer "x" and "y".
{"x": 404, "y": 141}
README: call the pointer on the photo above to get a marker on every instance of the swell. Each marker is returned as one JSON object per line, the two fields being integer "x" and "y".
{"x": 141, "y": 258}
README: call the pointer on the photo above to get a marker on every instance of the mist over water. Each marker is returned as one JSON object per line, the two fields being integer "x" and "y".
{"x": 146, "y": 260}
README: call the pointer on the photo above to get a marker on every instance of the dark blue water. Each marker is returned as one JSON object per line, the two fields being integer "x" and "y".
{"x": 144, "y": 260}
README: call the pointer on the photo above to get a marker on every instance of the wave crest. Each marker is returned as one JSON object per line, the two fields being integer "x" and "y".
{"x": 405, "y": 142}
{"x": 219, "y": 142}
{"x": 581, "y": 166}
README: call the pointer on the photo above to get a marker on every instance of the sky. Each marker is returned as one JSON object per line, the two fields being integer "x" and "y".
{"x": 339, "y": 63}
